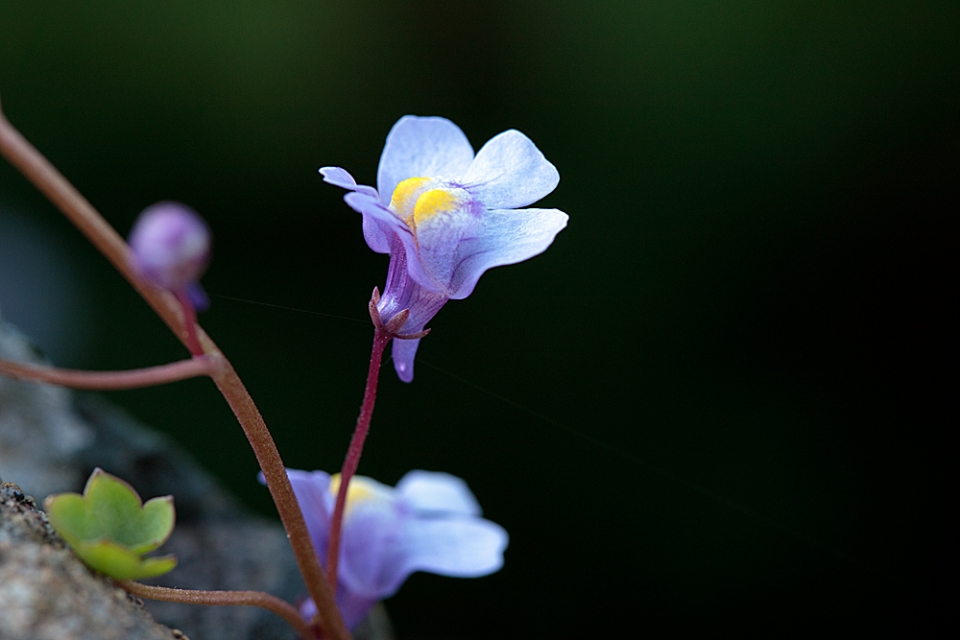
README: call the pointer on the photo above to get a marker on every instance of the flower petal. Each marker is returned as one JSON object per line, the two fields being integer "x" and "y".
{"x": 456, "y": 547}
{"x": 439, "y": 493}
{"x": 380, "y": 226}
{"x": 381, "y": 549}
{"x": 341, "y": 178}
{"x": 505, "y": 236}
{"x": 510, "y": 172}
{"x": 440, "y": 237}
{"x": 422, "y": 147}
{"x": 316, "y": 502}
{"x": 352, "y": 607}
{"x": 401, "y": 292}
{"x": 404, "y": 291}
{"x": 369, "y": 539}
{"x": 403, "y": 353}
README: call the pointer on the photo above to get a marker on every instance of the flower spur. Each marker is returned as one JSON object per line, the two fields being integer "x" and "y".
{"x": 446, "y": 215}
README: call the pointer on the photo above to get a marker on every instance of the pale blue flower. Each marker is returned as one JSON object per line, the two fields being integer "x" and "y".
{"x": 446, "y": 215}
{"x": 428, "y": 522}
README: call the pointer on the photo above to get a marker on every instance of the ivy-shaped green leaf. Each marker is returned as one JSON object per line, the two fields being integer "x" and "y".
{"x": 110, "y": 528}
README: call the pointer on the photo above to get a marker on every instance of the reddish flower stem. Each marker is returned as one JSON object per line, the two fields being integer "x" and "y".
{"x": 190, "y": 322}
{"x": 380, "y": 339}
{"x": 109, "y": 380}
{"x": 31, "y": 163}
{"x": 235, "y": 598}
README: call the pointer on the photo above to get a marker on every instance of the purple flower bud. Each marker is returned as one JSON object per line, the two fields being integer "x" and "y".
{"x": 171, "y": 246}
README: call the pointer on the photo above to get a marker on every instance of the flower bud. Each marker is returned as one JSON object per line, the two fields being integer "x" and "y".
{"x": 171, "y": 246}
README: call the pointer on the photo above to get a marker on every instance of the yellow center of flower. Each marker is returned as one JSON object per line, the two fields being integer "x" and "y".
{"x": 358, "y": 491}
{"x": 415, "y": 202}
{"x": 431, "y": 203}
{"x": 404, "y": 198}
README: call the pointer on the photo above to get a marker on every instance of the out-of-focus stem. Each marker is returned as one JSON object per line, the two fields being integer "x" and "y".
{"x": 109, "y": 380}
{"x": 22, "y": 155}
{"x": 190, "y": 322}
{"x": 234, "y": 598}
{"x": 380, "y": 340}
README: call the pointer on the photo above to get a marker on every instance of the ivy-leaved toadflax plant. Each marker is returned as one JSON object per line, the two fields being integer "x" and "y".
{"x": 429, "y": 522}
{"x": 446, "y": 215}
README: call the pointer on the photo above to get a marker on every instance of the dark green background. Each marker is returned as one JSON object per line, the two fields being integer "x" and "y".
{"x": 720, "y": 400}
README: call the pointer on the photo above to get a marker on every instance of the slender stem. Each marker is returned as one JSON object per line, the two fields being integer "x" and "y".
{"x": 380, "y": 340}
{"x": 108, "y": 380}
{"x": 283, "y": 496}
{"x": 21, "y": 154}
{"x": 190, "y": 321}
{"x": 235, "y": 598}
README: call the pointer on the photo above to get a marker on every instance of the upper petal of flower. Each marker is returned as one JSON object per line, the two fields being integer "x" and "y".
{"x": 377, "y": 234}
{"x": 510, "y": 172}
{"x": 504, "y": 236}
{"x": 422, "y": 147}
{"x": 437, "y": 493}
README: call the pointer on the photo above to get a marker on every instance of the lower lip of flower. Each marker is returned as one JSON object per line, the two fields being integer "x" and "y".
{"x": 417, "y": 200}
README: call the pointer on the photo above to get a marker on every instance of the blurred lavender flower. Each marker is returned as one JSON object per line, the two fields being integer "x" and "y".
{"x": 445, "y": 216}
{"x": 429, "y": 522}
{"x": 171, "y": 249}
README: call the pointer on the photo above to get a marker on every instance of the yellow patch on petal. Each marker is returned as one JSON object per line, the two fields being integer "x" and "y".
{"x": 404, "y": 198}
{"x": 417, "y": 200}
{"x": 431, "y": 203}
{"x": 358, "y": 491}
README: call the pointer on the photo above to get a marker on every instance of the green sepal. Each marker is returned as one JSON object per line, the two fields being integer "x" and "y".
{"x": 110, "y": 527}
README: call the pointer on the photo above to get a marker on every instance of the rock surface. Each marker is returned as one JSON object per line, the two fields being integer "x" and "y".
{"x": 47, "y": 594}
{"x": 41, "y": 435}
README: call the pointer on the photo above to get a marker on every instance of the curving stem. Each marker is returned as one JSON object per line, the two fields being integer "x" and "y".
{"x": 225, "y": 598}
{"x": 31, "y": 163}
{"x": 109, "y": 380}
{"x": 191, "y": 340}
